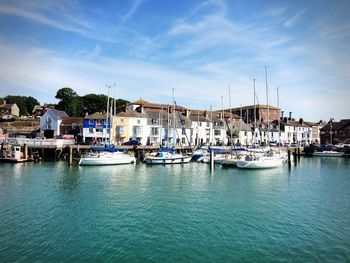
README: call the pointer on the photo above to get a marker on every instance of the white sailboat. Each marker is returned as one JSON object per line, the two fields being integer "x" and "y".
{"x": 328, "y": 154}
{"x": 168, "y": 155}
{"x": 260, "y": 162}
{"x": 106, "y": 158}
{"x": 108, "y": 155}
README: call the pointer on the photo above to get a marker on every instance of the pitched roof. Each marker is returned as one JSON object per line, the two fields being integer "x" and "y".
{"x": 71, "y": 120}
{"x": 7, "y": 106}
{"x": 131, "y": 113}
{"x": 58, "y": 113}
{"x": 96, "y": 116}
{"x": 337, "y": 125}
{"x": 257, "y": 106}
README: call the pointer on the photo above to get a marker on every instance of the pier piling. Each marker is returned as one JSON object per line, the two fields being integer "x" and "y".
{"x": 25, "y": 151}
{"x": 289, "y": 162}
{"x": 211, "y": 160}
{"x": 70, "y": 159}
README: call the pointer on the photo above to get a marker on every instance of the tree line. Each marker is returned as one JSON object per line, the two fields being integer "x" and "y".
{"x": 69, "y": 101}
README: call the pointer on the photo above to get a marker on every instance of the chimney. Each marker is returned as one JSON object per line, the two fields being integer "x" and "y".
{"x": 301, "y": 121}
{"x": 187, "y": 113}
{"x": 290, "y": 115}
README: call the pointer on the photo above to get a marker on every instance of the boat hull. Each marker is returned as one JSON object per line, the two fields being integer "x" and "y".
{"x": 328, "y": 154}
{"x": 259, "y": 164}
{"x": 172, "y": 160}
{"x": 106, "y": 161}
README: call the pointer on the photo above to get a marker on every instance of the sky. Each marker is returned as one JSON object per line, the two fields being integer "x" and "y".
{"x": 201, "y": 49}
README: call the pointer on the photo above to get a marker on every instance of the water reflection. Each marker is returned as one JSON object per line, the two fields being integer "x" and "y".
{"x": 67, "y": 177}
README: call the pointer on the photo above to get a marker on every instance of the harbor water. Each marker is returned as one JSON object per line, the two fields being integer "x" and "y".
{"x": 51, "y": 212}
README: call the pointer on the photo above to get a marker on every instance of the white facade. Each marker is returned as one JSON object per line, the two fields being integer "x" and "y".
{"x": 51, "y": 121}
{"x": 138, "y": 129}
{"x": 299, "y": 135}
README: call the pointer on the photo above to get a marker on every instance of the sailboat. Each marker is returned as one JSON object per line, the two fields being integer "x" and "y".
{"x": 262, "y": 160}
{"x": 107, "y": 155}
{"x": 167, "y": 155}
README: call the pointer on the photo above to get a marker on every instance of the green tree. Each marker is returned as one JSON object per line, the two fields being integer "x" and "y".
{"x": 70, "y": 102}
{"x": 25, "y": 104}
{"x": 98, "y": 103}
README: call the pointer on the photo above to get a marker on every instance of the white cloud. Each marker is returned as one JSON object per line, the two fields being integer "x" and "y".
{"x": 135, "y": 5}
{"x": 292, "y": 21}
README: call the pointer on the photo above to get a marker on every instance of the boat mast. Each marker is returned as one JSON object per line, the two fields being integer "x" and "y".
{"x": 160, "y": 126}
{"x": 331, "y": 132}
{"x": 107, "y": 114}
{"x": 167, "y": 139}
{"x": 174, "y": 118}
{"x": 279, "y": 118}
{"x": 223, "y": 117}
{"x": 229, "y": 98}
{"x": 246, "y": 127}
{"x": 254, "y": 114}
{"x": 211, "y": 125}
{"x": 268, "y": 109}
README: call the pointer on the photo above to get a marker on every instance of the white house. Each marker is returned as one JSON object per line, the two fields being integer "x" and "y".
{"x": 50, "y": 123}
{"x": 296, "y": 132}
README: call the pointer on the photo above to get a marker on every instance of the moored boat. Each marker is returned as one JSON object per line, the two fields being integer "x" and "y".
{"x": 260, "y": 162}
{"x": 167, "y": 156}
{"x": 328, "y": 154}
{"x": 108, "y": 155}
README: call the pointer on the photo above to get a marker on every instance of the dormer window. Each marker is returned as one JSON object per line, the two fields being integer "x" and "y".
{"x": 48, "y": 119}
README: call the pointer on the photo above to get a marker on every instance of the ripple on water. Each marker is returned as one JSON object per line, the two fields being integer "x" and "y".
{"x": 51, "y": 212}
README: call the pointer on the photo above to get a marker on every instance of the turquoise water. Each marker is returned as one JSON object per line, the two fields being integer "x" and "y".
{"x": 50, "y": 212}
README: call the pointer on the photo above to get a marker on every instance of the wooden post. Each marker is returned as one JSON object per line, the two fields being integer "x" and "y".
{"x": 43, "y": 152}
{"x": 70, "y": 160}
{"x": 295, "y": 156}
{"x": 298, "y": 153}
{"x": 25, "y": 151}
{"x": 212, "y": 160}
{"x": 289, "y": 162}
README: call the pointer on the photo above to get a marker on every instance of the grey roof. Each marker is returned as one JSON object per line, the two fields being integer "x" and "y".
{"x": 58, "y": 113}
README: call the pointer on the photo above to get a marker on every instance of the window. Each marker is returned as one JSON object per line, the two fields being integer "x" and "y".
{"x": 183, "y": 131}
{"x": 48, "y": 126}
{"x": 74, "y": 126}
{"x": 121, "y": 120}
{"x": 183, "y": 140}
{"x": 200, "y": 124}
{"x": 138, "y": 121}
{"x": 120, "y": 129}
{"x": 98, "y": 122}
{"x": 208, "y": 124}
{"x": 91, "y": 122}
{"x": 99, "y": 130}
{"x": 154, "y": 131}
{"x": 48, "y": 119}
{"x": 217, "y": 132}
{"x": 91, "y": 130}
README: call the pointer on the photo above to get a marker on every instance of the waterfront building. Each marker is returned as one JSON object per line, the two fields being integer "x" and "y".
{"x": 296, "y": 132}
{"x": 50, "y": 123}
{"x": 132, "y": 125}
{"x": 8, "y": 111}
{"x": 336, "y": 132}
{"x": 263, "y": 113}
{"x": 96, "y": 128}
{"x": 71, "y": 126}
{"x": 316, "y": 130}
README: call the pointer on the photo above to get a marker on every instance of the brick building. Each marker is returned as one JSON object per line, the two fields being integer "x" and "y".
{"x": 335, "y": 132}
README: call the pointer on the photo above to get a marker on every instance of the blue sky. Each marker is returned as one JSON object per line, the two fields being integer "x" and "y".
{"x": 200, "y": 48}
